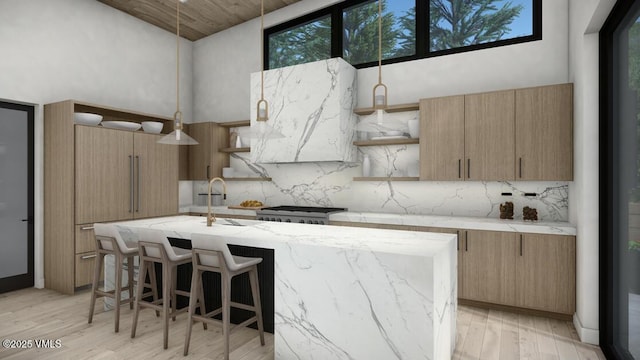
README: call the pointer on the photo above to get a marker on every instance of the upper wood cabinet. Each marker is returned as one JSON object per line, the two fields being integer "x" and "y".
{"x": 156, "y": 177}
{"x": 489, "y": 135}
{"x": 523, "y": 134}
{"x": 104, "y": 174}
{"x": 205, "y": 161}
{"x": 442, "y": 128}
{"x": 544, "y": 133}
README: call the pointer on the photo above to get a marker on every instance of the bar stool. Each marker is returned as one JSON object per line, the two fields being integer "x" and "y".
{"x": 210, "y": 253}
{"x": 109, "y": 242}
{"x": 154, "y": 247}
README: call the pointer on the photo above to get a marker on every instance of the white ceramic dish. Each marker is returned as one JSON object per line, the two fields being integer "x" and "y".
{"x": 87, "y": 118}
{"x": 393, "y": 133}
{"x": 121, "y": 125}
{"x": 153, "y": 127}
{"x": 388, "y": 137}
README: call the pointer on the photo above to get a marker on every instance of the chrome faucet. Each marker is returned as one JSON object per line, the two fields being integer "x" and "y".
{"x": 211, "y": 217}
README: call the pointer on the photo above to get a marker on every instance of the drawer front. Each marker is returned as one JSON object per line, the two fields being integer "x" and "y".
{"x": 85, "y": 264}
{"x": 85, "y": 239}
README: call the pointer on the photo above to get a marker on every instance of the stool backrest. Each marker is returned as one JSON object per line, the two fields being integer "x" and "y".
{"x": 105, "y": 231}
{"x": 214, "y": 243}
{"x": 155, "y": 237}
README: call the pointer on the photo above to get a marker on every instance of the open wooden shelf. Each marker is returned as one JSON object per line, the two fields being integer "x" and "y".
{"x": 248, "y": 179}
{"x": 385, "y": 178}
{"x": 386, "y": 142}
{"x": 234, "y": 150}
{"x": 389, "y": 109}
{"x": 232, "y": 124}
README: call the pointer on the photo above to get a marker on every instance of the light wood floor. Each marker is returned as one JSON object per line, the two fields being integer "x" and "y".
{"x": 46, "y": 314}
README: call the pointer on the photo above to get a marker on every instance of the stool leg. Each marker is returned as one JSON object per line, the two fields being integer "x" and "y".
{"x": 166, "y": 291}
{"x": 174, "y": 287}
{"x": 255, "y": 291}
{"x": 226, "y": 309}
{"x": 154, "y": 283}
{"x": 142, "y": 276}
{"x": 118, "y": 289}
{"x": 195, "y": 286}
{"x": 130, "y": 265}
{"x": 203, "y": 306}
{"x": 94, "y": 286}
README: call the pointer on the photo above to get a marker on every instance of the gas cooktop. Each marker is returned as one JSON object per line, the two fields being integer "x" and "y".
{"x": 308, "y": 209}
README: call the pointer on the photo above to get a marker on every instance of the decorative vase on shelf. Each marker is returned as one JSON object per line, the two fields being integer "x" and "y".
{"x": 238, "y": 142}
{"x": 233, "y": 139}
{"x": 366, "y": 166}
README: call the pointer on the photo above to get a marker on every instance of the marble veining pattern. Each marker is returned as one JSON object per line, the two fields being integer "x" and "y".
{"x": 347, "y": 293}
{"x": 315, "y": 114}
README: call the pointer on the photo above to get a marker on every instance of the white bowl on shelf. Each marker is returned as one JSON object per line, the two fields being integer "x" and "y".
{"x": 393, "y": 133}
{"x": 81, "y": 118}
{"x": 121, "y": 125}
{"x": 152, "y": 127}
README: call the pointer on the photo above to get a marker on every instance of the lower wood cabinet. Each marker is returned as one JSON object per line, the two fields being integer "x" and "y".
{"x": 523, "y": 270}
{"x": 545, "y": 273}
{"x": 489, "y": 267}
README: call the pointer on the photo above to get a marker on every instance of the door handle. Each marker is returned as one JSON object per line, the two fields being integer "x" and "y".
{"x": 208, "y": 167}
{"x": 466, "y": 241}
{"x": 138, "y": 183}
{"x": 520, "y": 160}
{"x": 86, "y": 257}
{"x": 28, "y": 220}
{"x": 520, "y": 244}
{"x": 468, "y": 168}
{"x": 87, "y": 228}
{"x": 130, "y": 183}
{"x": 459, "y": 168}
{"x": 458, "y": 235}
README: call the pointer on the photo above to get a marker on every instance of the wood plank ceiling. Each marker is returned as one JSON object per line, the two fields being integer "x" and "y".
{"x": 198, "y": 18}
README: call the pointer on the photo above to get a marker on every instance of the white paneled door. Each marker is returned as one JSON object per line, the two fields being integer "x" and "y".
{"x": 16, "y": 196}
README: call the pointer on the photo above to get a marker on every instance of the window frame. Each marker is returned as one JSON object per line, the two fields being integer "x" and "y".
{"x": 422, "y": 33}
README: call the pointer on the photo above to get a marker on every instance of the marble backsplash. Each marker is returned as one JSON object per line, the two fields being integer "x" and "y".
{"x": 331, "y": 184}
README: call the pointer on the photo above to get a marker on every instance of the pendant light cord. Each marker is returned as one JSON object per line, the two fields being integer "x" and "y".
{"x": 178, "y": 57}
{"x": 262, "y": 50}
{"x": 379, "y": 41}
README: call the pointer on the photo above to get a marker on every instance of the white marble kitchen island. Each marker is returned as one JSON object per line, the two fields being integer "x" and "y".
{"x": 347, "y": 293}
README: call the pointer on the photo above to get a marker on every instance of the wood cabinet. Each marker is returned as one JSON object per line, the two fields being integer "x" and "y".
{"x": 489, "y": 125}
{"x": 94, "y": 174}
{"x": 205, "y": 161}
{"x": 544, "y": 133}
{"x": 522, "y": 134}
{"x": 442, "y": 128}
{"x": 545, "y": 273}
{"x": 489, "y": 266}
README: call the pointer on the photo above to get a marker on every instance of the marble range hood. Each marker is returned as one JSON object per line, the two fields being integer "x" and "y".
{"x": 312, "y": 106}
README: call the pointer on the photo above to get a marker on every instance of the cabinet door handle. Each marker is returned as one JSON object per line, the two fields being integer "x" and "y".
{"x": 86, "y": 257}
{"x": 466, "y": 241}
{"x": 87, "y": 228}
{"x": 131, "y": 183}
{"x": 520, "y": 244}
{"x": 208, "y": 167}
{"x": 459, "y": 168}
{"x": 138, "y": 183}
{"x": 458, "y": 245}
{"x": 468, "y": 168}
{"x": 520, "y": 161}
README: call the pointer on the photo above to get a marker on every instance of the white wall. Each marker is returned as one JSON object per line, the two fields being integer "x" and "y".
{"x": 585, "y": 21}
{"x": 85, "y": 50}
{"x": 223, "y": 62}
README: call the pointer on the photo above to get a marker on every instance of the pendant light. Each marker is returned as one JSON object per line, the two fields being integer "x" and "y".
{"x": 178, "y": 136}
{"x": 262, "y": 130}
{"x": 380, "y": 95}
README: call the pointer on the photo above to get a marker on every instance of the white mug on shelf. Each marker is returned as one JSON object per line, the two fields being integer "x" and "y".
{"x": 227, "y": 172}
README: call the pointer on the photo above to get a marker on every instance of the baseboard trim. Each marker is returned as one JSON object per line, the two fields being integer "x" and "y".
{"x": 533, "y": 312}
{"x": 587, "y": 335}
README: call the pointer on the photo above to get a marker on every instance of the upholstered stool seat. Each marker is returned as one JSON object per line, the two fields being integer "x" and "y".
{"x": 210, "y": 253}
{"x": 154, "y": 247}
{"x": 109, "y": 242}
